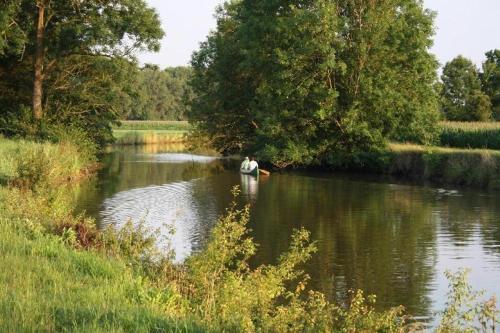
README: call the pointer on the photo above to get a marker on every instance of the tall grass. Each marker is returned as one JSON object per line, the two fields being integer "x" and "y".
{"x": 30, "y": 162}
{"x": 471, "y": 167}
{"x": 470, "y": 134}
{"x": 144, "y": 137}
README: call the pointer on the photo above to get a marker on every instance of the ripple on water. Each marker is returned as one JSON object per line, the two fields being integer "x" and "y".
{"x": 161, "y": 208}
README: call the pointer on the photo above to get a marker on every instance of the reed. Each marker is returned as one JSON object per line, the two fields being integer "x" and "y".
{"x": 146, "y": 137}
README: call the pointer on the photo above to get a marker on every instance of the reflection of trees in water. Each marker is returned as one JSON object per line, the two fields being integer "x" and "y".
{"x": 370, "y": 236}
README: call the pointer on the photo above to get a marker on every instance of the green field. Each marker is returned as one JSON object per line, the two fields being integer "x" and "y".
{"x": 470, "y": 134}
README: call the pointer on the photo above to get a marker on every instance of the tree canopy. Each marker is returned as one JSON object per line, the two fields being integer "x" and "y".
{"x": 82, "y": 55}
{"x": 462, "y": 97}
{"x": 159, "y": 94}
{"x": 491, "y": 80}
{"x": 306, "y": 81}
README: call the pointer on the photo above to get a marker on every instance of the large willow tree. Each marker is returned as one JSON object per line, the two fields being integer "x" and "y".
{"x": 308, "y": 81}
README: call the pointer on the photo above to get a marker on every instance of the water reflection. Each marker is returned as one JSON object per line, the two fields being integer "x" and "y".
{"x": 391, "y": 239}
{"x": 249, "y": 187}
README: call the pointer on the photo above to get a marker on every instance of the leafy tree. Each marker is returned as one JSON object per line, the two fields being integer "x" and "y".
{"x": 462, "y": 98}
{"x": 77, "y": 50}
{"x": 303, "y": 82}
{"x": 491, "y": 80}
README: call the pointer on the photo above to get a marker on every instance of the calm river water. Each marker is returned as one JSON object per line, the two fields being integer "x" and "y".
{"x": 388, "y": 238}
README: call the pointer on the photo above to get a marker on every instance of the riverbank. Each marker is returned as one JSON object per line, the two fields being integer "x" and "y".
{"x": 467, "y": 167}
{"x": 68, "y": 276}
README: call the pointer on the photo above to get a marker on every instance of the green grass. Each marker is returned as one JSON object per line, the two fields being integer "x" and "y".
{"x": 54, "y": 162}
{"x": 470, "y": 134}
{"x": 52, "y": 288}
{"x": 471, "y": 167}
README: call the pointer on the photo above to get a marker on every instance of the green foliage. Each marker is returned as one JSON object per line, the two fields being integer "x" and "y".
{"x": 462, "y": 98}
{"x": 470, "y": 135}
{"x": 160, "y": 95}
{"x": 299, "y": 82}
{"x": 490, "y": 79}
{"x": 465, "y": 311}
{"x": 88, "y": 61}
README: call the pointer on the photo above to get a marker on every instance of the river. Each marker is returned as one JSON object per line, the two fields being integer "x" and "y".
{"x": 387, "y": 237}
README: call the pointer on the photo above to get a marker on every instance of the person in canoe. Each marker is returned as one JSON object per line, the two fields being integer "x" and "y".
{"x": 245, "y": 164}
{"x": 250, "y": 168}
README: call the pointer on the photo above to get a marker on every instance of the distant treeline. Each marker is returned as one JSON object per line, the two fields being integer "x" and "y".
{"x": 159, "y": 94}
{"x": 471, "y": 94}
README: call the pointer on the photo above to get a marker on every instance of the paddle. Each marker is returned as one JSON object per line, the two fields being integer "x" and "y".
{"x": 264, "y": 172}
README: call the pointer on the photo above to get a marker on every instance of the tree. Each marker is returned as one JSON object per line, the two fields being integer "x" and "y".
{"x": 462, "y": 98}
{"x": 304, "y": 82}
{"x": 491, "y": 80}
{"x": 68, "y": 44}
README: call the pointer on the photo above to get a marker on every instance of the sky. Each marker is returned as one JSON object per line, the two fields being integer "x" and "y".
{"x": 466, "y": 27}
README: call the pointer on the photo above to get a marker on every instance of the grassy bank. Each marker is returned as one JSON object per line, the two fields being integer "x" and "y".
{"x": 471, "y": 167}
{"x": 65, "y": 275}
{"x": 470, "y": 134}
{"x": 50, "y": 287}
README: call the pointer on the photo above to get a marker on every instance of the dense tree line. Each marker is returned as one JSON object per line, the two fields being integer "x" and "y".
{"x": 303, "y": 82}
{"x": 159, "y": 94}
{"x": 69, "y": 63}
{"x": 470, "y": 94}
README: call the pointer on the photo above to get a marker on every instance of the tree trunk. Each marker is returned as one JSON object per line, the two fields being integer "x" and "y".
{"x": 39, "y": 59}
